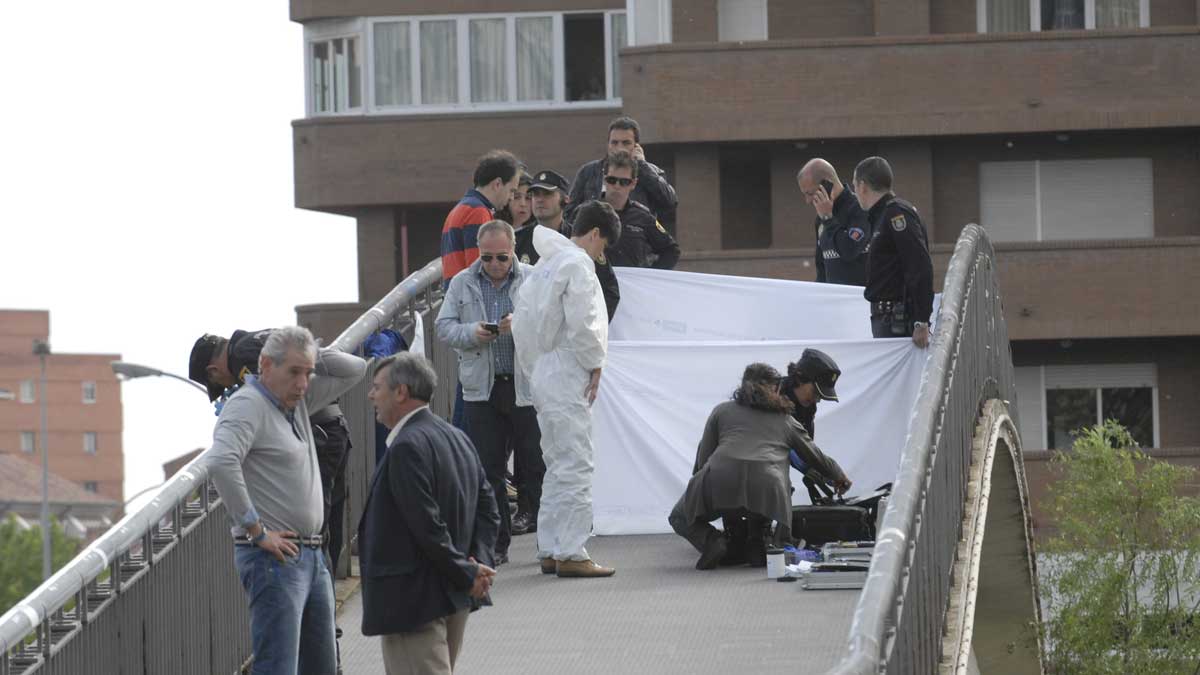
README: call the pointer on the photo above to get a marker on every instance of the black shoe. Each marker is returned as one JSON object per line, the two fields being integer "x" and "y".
{"x": 502, "y": 559}
{"x": 714, "y": 551}
{"x": 524, "y": 523}
{"x": 337, "y": 633}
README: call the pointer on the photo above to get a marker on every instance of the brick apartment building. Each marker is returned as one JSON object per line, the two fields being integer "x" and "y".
{"x": 1069, "y": 128}
{"x": 84, "y": 414}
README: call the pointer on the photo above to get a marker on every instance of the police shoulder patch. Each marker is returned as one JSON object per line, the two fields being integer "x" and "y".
{"x": 857, "y": 233}
{"x": 660, "y": 227}
{"x": 899, "y": 223}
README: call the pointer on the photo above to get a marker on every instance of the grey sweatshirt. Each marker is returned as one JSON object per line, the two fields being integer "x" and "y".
{"x": 264, "y": 464}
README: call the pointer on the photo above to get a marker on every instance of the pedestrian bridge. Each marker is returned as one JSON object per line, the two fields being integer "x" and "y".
{"x": 158, "y": 593}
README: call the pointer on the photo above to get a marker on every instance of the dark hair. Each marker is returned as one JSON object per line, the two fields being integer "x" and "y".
{"x": 876, "y": 173}
{"x": 495, "y": 164}
{"x": 597, "y": 214}
{"x": 760, "y": 390}
{"x": 627, "y": 123}
{"x": 619, "y": 159}
{"x": 796, "y": 376}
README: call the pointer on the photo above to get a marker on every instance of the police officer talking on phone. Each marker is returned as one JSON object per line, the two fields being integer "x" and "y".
{"x": 899, "y": 270}
{"x": 843, "y": 231}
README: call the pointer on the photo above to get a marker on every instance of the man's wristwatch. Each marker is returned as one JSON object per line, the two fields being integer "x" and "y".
{"x": 920, "y": 324}
{"x": 255, "y": 538}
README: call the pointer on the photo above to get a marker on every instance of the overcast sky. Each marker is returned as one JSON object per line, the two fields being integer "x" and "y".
{"x": 147, "y": 192}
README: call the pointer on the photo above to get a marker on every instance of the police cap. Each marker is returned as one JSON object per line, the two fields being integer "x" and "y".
{"x": 202, "y": 354}
{"x": 819, "y": 368}
{"x": 550, "y": 181}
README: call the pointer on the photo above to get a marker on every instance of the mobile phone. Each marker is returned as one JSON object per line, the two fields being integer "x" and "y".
{"x": 493, "y": 328}
{"x": 828, "y": 187}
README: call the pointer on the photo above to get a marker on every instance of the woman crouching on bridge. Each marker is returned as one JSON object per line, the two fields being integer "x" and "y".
{"x": 741, "y": 470}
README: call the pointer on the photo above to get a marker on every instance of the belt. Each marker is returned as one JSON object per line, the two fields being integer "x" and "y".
{"x": 885, "y": 306}
{"x": 311, "y": 542}
{"x": 504, "y": 378}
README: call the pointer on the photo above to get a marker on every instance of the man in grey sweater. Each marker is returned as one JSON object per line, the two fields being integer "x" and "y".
{"x": 264, "y": 465}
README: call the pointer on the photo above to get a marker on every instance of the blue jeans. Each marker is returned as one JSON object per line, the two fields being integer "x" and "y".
{"x": 291, "y": 611}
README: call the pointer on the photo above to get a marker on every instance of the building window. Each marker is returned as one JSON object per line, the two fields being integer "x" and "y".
{"x": 393, "y": 63}
{"x": 89, "y": 392}
{"x": 28, "y": 391}
{"x": 89, "y": 442}
{"x": 741, "y": 20}
{"x": 488, "y": 62}
{"x": 1015, "y": 16}
{"x": 336, "y": 75}
{"x": 1055, "y": 401}
{"x": 91, "y": 486}
{"x": 1067, "y": 199}
{"x": 28, "y": 441}
{"x": 535, "y": 58}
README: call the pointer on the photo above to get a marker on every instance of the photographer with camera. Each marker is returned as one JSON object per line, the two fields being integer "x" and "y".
{"x": 476, "y": 320}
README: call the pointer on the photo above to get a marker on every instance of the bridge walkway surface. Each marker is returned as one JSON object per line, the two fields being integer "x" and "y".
{"x": 658, "y": 614}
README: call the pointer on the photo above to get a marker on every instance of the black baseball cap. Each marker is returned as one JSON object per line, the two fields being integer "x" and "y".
{"x": 819, "y": 368}
{"x": 550, "y": 180}
{"x": 202, "y": 355}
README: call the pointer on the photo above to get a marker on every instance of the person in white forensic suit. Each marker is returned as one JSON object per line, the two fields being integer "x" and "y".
{"x": 560, "y": 327}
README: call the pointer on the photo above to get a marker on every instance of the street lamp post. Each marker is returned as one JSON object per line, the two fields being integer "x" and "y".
{"x": 41, "y": 348}
{"x": 132, "y": 370}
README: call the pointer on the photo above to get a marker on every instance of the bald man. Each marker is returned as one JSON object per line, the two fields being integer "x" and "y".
{"x": 843, "y": 229}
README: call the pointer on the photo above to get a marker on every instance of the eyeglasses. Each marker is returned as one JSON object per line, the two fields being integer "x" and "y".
{"x": 487, "y": 257}
{"x": 614, "y": 180}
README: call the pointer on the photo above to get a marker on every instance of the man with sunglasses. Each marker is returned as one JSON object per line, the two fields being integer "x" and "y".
{"x": 476, "y": 320}
{"x": 644, "y": 241}
{"x": 653, "y": 190}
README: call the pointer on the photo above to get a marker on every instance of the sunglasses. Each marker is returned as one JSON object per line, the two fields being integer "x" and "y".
{"x": 487, "y": 257}
{"x": 614, "y": 180}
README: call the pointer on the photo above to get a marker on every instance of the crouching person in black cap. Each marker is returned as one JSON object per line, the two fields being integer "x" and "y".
{"x": 222, "y": 365}
{"x": 741, "y": 470}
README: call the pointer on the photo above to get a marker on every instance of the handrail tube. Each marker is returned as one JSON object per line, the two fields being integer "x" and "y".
{"x": 64, "y": 585}
{"x": 883, "y": 591}
{"x": 92, "y": 561}
{"x": 380, "y": 315}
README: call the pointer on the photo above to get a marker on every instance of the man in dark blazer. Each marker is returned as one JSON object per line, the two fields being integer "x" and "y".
{"x": 427, "y": 535}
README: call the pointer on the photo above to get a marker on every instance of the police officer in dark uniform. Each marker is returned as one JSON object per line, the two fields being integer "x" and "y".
{"x": 548, "y": 195}
{"x": 808, "y": 381}
{"x": 843, "y": 231}
{"x": 222, "y": 366}
{"x": 644, "y": 241}
{"x": 899, "y": 269}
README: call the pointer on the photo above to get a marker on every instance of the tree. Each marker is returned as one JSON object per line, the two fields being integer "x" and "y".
{"x": 1122, "y": 580}
{"x": 21, "y": 559}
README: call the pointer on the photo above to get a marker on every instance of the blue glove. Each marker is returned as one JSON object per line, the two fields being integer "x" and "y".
{"x": 797, "y": 463}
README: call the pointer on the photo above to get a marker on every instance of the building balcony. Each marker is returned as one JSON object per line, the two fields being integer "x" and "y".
{"x": 345, "y": 163}
{"x": 1051, "y": 290}
{"x": 936, "y": 85}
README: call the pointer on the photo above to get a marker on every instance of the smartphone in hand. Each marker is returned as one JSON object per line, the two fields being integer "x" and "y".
{"x": 493, "y": 328}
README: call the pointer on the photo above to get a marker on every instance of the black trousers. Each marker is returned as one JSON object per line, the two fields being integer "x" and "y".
{"x": 332, "y": 439}
{"x": 496, "y": 425}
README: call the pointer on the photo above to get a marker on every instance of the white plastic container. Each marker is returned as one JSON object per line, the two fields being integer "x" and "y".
{"x": 776, "y": 566}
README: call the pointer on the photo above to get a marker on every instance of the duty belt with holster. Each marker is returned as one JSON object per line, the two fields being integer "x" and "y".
{"x": 898, "y": 313}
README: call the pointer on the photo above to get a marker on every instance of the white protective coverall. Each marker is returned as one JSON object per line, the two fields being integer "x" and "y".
{"x": 560, "y": 329}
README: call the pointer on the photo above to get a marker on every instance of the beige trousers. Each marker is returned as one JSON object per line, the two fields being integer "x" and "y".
{"x": 431, "y": 649}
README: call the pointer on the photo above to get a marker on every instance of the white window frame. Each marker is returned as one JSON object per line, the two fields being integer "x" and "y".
{"x": 89, "y": 392}
{"x": 462, "y": 33}
{"x": 327, "y": 31}
{"x": 634, "y": 8}
{"x": 31, "y": 436}
{"x": 1102, "y": 377}
{"x": 28, "y": 393}
{"x": 1035, "y": 15}
{"x": 93, "y": 447}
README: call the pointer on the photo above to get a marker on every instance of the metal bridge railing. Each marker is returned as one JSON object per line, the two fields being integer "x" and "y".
{"x": 157, "y": 593}
{"x": 897, "y": 625}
